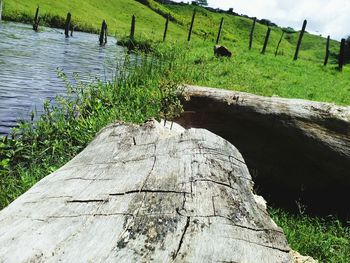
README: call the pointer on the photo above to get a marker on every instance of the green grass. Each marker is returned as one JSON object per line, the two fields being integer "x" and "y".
{"x": 325, "y": 239}
{"x": 88, "y": 15}
{"x": 265, "y": 75}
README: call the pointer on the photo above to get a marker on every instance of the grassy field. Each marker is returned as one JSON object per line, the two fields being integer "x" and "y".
{"x": 88, "y": 16}
{"x": 36, "y": 149}
{"x": 246, "y": 71}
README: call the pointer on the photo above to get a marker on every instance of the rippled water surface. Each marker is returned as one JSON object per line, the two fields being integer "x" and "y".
{"x": 29, "y": 62}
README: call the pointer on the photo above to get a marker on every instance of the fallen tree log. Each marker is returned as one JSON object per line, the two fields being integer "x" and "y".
{"x": 296, "y": 150}
{"x": 140, "y": 194}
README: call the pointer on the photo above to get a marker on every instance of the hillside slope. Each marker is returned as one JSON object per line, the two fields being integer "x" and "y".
{"x": 89, "y": 14}
{"x": 194, "y": 62}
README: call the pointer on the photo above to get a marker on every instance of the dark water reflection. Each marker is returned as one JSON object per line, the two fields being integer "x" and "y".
{"x": 29, "y": 62}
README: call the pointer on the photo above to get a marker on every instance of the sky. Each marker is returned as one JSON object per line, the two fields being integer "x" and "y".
{"x": 325, "y": 17}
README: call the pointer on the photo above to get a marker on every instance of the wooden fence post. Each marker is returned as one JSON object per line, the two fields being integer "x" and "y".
{"x": 103, "y": 33}
{"x": 279, "y": 42}
{"x": 266, "y": 40}
{"x": 0, "y": 9}
{"x": 67, "y": 25}
{"x": 300, "y": 39}
{"x": 132, "y": 28}
{"x": 327, "y": 52}
{"x": 220, "y": 30}
{"x": 191, "y": 27}
{"x": 252, "y": 34}
{"x": 341, "y": 54}
{"x": 166, "y": 28}
{"x": 36, "y": 20}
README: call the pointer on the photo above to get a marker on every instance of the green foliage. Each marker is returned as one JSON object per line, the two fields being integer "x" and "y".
{"x": 325, "y": 239}
{"x": 139, "y": 45}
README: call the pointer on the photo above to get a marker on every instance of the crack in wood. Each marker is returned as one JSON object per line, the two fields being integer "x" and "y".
{"x": 88, "y": 179}
{"x": 182, "y": 237}
{"x": 212, "y": 181}
{"x": 88, "y": 201}
{"x": 149, "y": 191}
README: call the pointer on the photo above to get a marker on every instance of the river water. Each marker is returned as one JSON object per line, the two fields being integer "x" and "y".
{"x": 29, "y": 62}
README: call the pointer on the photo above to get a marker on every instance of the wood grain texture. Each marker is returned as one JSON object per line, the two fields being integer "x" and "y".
{"x": 140, "y": 194}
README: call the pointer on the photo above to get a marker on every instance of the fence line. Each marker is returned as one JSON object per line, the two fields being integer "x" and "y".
{"x": 103, "y": 35}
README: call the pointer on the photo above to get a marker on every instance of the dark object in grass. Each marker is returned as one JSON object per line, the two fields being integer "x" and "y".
{"x": 327, "y": 52}
{"x": 266, "y": 40}
{"x": 252, "y": 34}
{"x": 191, "y": 26}
{"x": 132, "y": 28}
{"x": 221, "y": 51}
{"x": 341, "y": 55}
{"x": 220, "y": 30}
{"x": 299, "y": 40}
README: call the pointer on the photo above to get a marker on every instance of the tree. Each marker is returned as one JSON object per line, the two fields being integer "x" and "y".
{"x": 201, "y": 2}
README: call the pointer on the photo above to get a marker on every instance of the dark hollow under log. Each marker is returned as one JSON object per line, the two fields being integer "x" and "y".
{"x": 298, "y": 151}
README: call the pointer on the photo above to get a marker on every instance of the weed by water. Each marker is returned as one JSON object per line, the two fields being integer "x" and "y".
{"x": 37, "y": 148}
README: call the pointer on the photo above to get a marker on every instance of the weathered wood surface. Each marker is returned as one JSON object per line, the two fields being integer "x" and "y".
{"x": 296, "y": 149}
{"x": 140, "y": 194}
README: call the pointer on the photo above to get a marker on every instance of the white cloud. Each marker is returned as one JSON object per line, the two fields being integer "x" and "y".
{"x": 326, "y": 17}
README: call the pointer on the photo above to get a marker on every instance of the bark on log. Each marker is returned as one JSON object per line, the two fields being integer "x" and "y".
{"x": 296, "y": 149}
{"x": 140, "y": 194}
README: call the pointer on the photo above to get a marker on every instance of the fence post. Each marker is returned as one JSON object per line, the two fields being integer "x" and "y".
{"x": 67, "y": 25}
{"x": 36, "y": 20}
{"x": 103, "y": 33}
{"x": 191, "y": 27}
{"x": 0, "y": 9}
{"x": 341, "y": 54}
{"x": 220, "y": 30}
{"x": 252, "y": 34}
{"x": 132, "y": 28}
{"x": 266, "y": 40}
{"x": 327, "y": 52}
{"x": 166, "y": 28}
{"x": 279, "y": 42}
{"x": 300, "y": 39}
